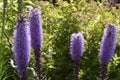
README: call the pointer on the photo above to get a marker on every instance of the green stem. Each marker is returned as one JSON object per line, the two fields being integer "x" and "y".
{"x": 20, "y": 6}
{"x": 3, "y": 21}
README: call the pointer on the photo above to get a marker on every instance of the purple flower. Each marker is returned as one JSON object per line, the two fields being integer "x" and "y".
{"x": 108, "y": 43}
{"x": 76, "y": 49}
{"x": 77, "y": 45}
{"x": 36, "y": 28}
{"x": 36, "y": 37}
{"x": 22, "y": 46}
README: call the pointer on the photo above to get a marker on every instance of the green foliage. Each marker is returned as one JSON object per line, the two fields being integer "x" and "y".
{"x": 59, "y": 22}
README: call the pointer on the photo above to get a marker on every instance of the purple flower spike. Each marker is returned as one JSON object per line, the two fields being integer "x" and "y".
{"x": 108, "y": 43}
{"x": 36, "y": 28}
{"x": 22, "y": 47}
{"x": 77, "y": 45}
{"x": 107, "y": 48}
{"x": 36, "y": 37}
{"x": 76, "y": 49}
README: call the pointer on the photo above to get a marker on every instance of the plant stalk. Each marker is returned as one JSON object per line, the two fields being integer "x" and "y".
{"x": 103, "y": 70}
{"x": 76, "y": 69}
{"x": 38, "y": 63}
{"x": 23, "y": 78}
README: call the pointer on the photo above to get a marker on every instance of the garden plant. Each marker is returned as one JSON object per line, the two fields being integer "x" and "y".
{"x": 59, "y": 40}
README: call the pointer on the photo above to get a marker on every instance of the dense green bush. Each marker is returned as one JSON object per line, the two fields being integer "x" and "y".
{"x": 59, "y": 22}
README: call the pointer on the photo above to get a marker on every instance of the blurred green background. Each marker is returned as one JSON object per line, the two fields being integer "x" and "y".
{"x": 60, "y": 19}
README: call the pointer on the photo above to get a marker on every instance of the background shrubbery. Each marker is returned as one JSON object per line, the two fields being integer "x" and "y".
{"x": 59, "y": 22}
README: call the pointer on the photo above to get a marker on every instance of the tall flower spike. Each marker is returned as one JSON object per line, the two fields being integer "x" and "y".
{"x": 107, "y": 47}
{"x": 76, "y": 49}
{"x": 77, "y": 45}
{"x": 36, "y": 28}
{"x": 36, "y": 37}
{"x": 22, "y": 46}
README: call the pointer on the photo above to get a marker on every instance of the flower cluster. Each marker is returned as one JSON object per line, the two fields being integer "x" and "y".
{"x": 108, "y": 43}
{"x": 77, "y": 45}
{"x": 36, "y": 28}
{"x": 22, "y": 46}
